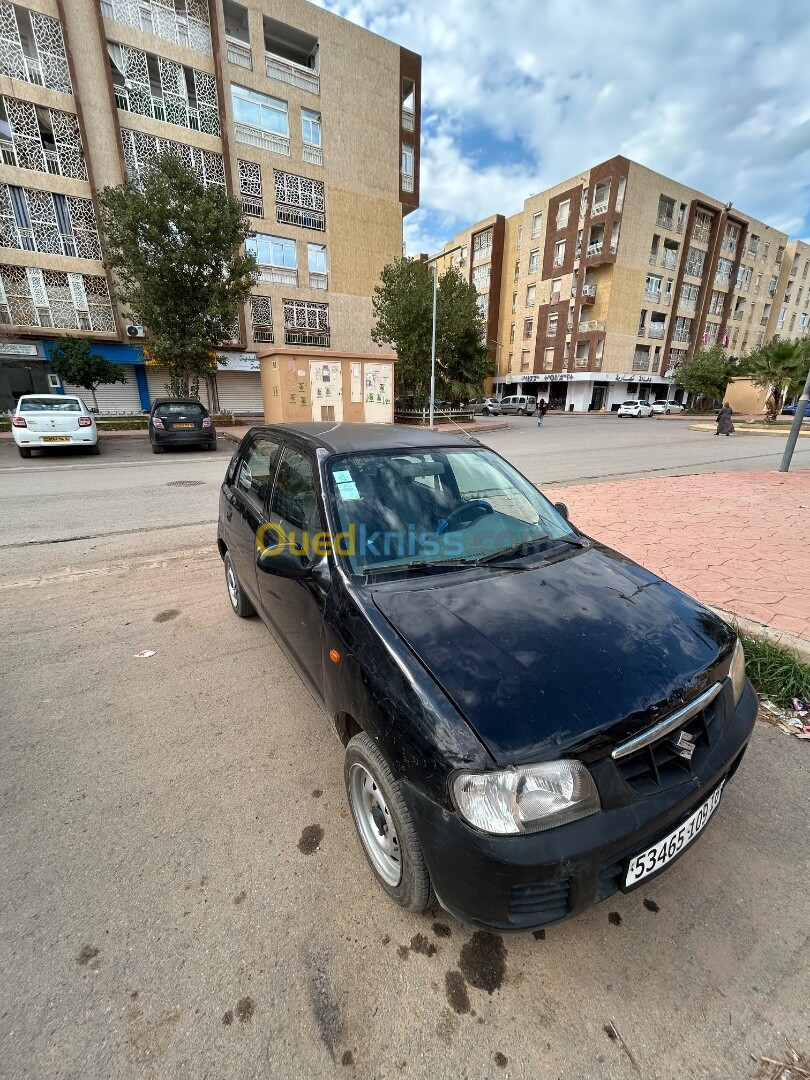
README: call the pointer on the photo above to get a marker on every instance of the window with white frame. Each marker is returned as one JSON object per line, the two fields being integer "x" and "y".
{"x": 534, "y": 261}
{"x": 531, "y": 295}
{"x": 316, "y": 258}
{"x": 548, "y": 358}
{"x": 259, "y": 111}
{"x": 537, "y": 223}
{"x": 525, "y": 360}
{"x": 482, "y": 244}
{"x": 563, "y": 213}
{"x": 559, "y": 253}
{"x": 716, "y": 302}
{"x": 695, "y": 259}
{"x": 528, "y": 326}
{"x": 710, "y": 333}
{"x": 556, "y": 289}
{"x": 278, "y": 251}
{"x": 407, "y": 165}
{"x": 688, "y": 297}
{"x": 552, "y": 325}
{"x": 723, "y": 273}
{"x": 310, "y": 127}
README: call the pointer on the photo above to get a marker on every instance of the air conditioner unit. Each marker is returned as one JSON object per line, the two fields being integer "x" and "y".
{"x": 135, "y": 331}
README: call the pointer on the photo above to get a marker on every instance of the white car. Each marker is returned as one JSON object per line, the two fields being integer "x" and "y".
{"x": 667, "y": 407}
{"x": 635, "y": 408}
{"x": 42, "y": 420}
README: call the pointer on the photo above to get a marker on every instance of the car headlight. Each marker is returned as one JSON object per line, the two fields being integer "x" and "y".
{"x": 737, "y": 671}
{"x": 527, "y": 798}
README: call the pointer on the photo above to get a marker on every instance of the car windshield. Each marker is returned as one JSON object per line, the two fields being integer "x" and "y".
{"x": 49, "y": 404}
{"x": 410, "y": 508}
{"x": 175, "y": 408}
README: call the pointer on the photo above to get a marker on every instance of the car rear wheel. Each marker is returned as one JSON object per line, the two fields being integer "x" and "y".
{"x": 239, "y": 602}
{"x": 211, "y": 446}
{"x": 384, "y": 825}
{"x": 24, "y": 451}
{"x": 157, "y": 449}
{"x": 96, "y": 450}
{"x": 521, "y": 412}
{"x": 485, "y": 412}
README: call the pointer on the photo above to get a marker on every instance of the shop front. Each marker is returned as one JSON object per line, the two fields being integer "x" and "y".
{"x": 587, "y": 391}
{"x": 23, "y": 370}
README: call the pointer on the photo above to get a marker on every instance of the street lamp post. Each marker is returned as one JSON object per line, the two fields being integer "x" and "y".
{"x": 433, "y": 259}
{"x": 798, "y": 416}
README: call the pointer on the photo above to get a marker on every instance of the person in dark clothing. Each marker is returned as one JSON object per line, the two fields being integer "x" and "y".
{"x": 724, "y": 424}
{"x": 542, "y": 409}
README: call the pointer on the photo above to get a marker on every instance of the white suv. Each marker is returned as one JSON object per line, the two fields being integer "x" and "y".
{"x": 42, "y": 420}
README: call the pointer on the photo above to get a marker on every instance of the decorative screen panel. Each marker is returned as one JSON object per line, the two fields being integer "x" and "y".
{"x": 68, "y": 144}
{"x": 85, "y": 232}
{"x": 250, "y": 179}
{"x": 51, "y": 50}
{"x": 22, "y": 117}
{"x": 173, "y": 85}
{"x": 205, "y": 91}
{"x": 299, "y": 191}
{"x": 304, "y": 315}
{"x": 36, "y": 286}
{"x": 214, "y": 169}
{"x": 261, "y": 311}
{"x": 9, "y": 236}
{"x": 11, "y": 51}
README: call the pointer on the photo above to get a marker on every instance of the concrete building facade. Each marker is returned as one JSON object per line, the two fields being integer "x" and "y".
{"x": 313, "y": 122}
{"x": 604, "y": 283}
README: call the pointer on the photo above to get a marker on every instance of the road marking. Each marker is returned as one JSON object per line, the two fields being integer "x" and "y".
{"x": 104, "y": 535}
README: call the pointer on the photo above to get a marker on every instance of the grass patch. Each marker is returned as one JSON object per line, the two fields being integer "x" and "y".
{"x": 776, "y": 671}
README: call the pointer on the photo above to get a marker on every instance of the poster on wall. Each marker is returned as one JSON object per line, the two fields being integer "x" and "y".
{"x": 377, "y": 393}
{"x": 357, "y": 383}
{"x": 326, "y": 384}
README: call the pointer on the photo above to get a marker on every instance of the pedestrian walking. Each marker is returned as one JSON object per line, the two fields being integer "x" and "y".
{"x": 724, "y": 424}
{"x": 542, "y": 408}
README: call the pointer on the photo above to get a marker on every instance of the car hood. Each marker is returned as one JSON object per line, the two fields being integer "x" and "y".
{"x": 571, "y": 655}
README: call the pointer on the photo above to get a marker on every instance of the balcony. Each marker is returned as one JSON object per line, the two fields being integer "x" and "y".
{"x": 669, "y": 260}
{"x": 407, "y": 181}
{"x": 600, "y": 207}
{"x": 287, "y": 71}
{"x": 653, "y": 259}
{"x": 656, "y": 331}
{"x": 263, "y": 333}
{"x": 588, "y": 294}
{"x": 664, "y": 221}
{"x": 594, "y": 249}
{"x": 318, "y": 281}
{"x": 681, "y": 336}
{"x": 408, "y": 119}
{"x": 312, "y": 154}
{"x": 701, "y": 233}
{"x": 737, "y": 316}
{"x": 653, "y": 295}
{"x": 559, "y": 259}
{"x": 263, "y": 140}
{"x": 764, "y": 320}
{"x": 306, "y": 337}
{"x": 162, "y": 21}
{"x": 252, "y": 207}
{"x": 591, "y": 326}
{"x": 239, "y": 53}
{"x": 278, "y": 275}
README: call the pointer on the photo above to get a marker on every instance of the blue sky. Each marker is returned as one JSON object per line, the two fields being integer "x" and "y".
{"x": 518, "y": 96}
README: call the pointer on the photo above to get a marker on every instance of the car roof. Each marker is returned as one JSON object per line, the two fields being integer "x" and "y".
{"x": 343, "y": 438}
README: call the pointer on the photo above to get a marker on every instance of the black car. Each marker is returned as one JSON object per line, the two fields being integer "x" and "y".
{"x": 531, "y": 721}
{"x": 180, "y": 422}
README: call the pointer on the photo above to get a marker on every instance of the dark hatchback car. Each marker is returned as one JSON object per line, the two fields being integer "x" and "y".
{"x": 531, "y": 721}
{"x": 180, "y": 422}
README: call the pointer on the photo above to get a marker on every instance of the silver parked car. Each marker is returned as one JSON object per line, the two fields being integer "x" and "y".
{"x": 488, "y": 406}
{"x": 666, "y": 407}
{"x": 521, "y": 404}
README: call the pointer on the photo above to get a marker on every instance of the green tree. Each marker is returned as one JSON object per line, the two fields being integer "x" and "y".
{"x": 780, "y": 367}
{"x": 403, "y": 309}
{"x": 175, "y": 247}
{"x": 74, "y": 363}
{"x": 706, "y": 375}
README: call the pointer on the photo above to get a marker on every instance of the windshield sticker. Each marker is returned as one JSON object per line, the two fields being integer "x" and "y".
{"x": 346, "y": 487}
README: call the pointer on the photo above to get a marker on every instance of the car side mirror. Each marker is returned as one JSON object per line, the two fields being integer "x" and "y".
{"x": 561, "y": 508}
{"x": 294, "y": 565}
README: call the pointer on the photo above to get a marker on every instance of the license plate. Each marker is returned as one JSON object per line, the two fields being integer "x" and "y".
{"x": 56, "y": 438}
{"x": 654, "y": 858}
{"x": 183, "y": 425}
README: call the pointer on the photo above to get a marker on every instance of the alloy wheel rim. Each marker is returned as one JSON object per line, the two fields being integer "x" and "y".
{"x": 233, "y": 587}
{"x": 375, "y": 824}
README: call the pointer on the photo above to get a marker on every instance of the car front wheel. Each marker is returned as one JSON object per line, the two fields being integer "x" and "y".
{"x": 384, "y": 825}
{"x": 236, "y": 594}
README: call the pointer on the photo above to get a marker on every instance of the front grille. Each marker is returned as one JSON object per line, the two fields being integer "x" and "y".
{"x": 541, "y": 903}
{"x": 658, "y": 766}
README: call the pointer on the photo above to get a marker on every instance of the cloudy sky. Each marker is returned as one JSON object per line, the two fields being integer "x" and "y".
{"x": 519, "y": 95}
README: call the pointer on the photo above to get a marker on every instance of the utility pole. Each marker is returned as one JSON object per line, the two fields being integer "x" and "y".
{"x": 433, "y": 259}
{"x": 796, "y": 426}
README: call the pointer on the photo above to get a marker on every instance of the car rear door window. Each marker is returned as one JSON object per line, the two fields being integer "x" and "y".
{"x": 255, "y": 474}
{"x": 295, "y": 498}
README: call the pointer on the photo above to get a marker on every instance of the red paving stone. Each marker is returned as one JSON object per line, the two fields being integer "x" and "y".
{"x": 739, "y": 541}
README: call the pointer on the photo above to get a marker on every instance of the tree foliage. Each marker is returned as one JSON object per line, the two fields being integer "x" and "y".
{"x": 706, "y": 375}
{"x": 403, "y": 309}
{"x": 74, "y": 363}
{"x": 780, "y": 367}
{"x": 175, "y": 247}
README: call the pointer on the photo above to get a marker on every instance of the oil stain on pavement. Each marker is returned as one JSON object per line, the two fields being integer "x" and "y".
{"x": 310, "y": 839}
{"x": 483, "y": 961}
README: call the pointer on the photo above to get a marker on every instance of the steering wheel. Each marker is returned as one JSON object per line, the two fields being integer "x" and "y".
{"x": 463, "y": 516}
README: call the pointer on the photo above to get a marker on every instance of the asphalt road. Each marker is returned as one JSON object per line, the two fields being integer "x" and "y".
{"x": 159, "y": 918}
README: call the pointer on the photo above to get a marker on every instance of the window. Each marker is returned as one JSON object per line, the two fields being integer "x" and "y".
{"x": 534, "y": 260}
{"x": 482, "y": 245}
{"x": 710, "y": 333}
{"x": 531, "y": 294}
{"x": 537, "y": 224}
{"x": 694, "y": 262}
{"x": 563, "y": 213}
{"x": 528, "y": 326}
{"x": 559, "y": 253}
{"x": 481, "y": 275}
{"x": 747, "y": 278}
{"x": 552, "y": 324}
{"x": 256, "y": 470}
{"x": 295, "y": 502}
{"x": 519, "y": 235}
{"x": 260, "y": 111}
{"x": 512, "y": 334}
{"x": 682, "y": 329}
{"x": 688, "y": 297}
{"x": 514, "y": 302}
{"x": 310, "y": 127}
{"x": 299, "y": 200}
{"x": 782, "y": 315}
{"x": 517, "y": 269}
{"x": 753, "y": 245}
{"x": 316, "y": 258}
{"x": 652, "y": 287}
{"x": 548, "y": 358}
{"x": 273, "y": 250}
{"x": 666, "y": 212}
{"x": 780, "y": 251}
{"x": 407, "y": 160}
{"x": 716, "y": 303}
{"x": 525, "y": 360}
{"x": 723, "y": 273}
{"x": 261, "y": 317}
{"x": 306, "y": 323}
{"x": 701, "y": 230}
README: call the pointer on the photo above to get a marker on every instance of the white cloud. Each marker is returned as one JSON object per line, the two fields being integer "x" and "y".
{"x": 710, "y": 92}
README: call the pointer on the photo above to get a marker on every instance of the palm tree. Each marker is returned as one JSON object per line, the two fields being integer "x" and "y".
{"x": 780, "y": 367}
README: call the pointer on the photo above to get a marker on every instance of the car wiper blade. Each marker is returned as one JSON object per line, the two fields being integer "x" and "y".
{"x": 418, "y": 567}
{"x": 524, "y": 545}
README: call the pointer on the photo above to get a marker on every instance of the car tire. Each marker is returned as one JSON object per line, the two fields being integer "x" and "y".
{"x": 24, "y": 451}
{"x": 374, "y": 797}
{"x": 157, "y": 449}
{"x": 211, "y": 446}
{"x": 485, "y": 412}
{"x": 667, "y": 412}
{"x": 521, "y": 412}
{"x": 236, "y": 594}
{"x": 96, "y": 450}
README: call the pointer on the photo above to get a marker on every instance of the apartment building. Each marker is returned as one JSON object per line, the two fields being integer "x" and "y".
{"x": 312, "y": 121}
{"x": 602, "y": 285}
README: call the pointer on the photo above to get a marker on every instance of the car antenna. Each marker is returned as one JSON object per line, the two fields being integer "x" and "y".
{"x": 472, "y": 438}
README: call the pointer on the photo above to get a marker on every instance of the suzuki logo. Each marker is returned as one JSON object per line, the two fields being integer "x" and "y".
{"x": 683, "y": 744}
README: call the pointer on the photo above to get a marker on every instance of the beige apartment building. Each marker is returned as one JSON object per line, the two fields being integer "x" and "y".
{"x": 310, "y": 120}
{"x": 603, "y": 284}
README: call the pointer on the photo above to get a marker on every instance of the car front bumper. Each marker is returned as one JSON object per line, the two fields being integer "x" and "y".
{"x": 35, "y": 440}
{"x": 525, "y": 882}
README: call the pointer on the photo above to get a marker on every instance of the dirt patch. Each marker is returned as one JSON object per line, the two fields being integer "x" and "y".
{"x": 441, "y": 929}
{"x": 310, "y": 839}
{"x": 615, "y": 919}
{"x": 240, "y": 898}
{"x": 483, "y": 961}
{"x": 88, "y": 957}
{"x": 651, "y": 905}
{"x": 245, "y": 1008}
{"x": 420, "y": 944}
{"x": 501, "y": 1060}
{"x": 456, "y": 992}
{"x": 167, "y": 615}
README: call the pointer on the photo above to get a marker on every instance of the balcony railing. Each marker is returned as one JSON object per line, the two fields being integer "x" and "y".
{"x": 656, "y": 331}
{"x": 681, "y": 335}
{"x": 278, "y": 275}
{"x": 594, "y": 249}
{"x": 52, "y": 161}
{"x": 407, "y": 181}
{"x": 33, "y": 70}
{"x": 664, "y": 221}
{"x": 653, "y": 259}
{"x": 654, "y": 295}
{"x": 408, "y": 120}
{"x": 562, "y": 221}
{"x": 239, "y": 53}
{"x": 252, "y": 207}
{"x": 312, "y": 154}
{"x": 668, "y": 261}
{"x": 737, "y": 316}
{"x": 287, "y": 71}
{"x": 591, "y": 325}
{"x": 306, "y": 337}
{"x": 559, "y": 260}
{"x": 588, "y": 294}
{"x": 7, "y": 152}
{"x": 701, "y": 233}
{"x": 686, "y": 305}
{"x": 599, "y": 207}
{"x": 264, "y": 140}
{"x": 318, "y": 281}
{"x": 263, "y": 333}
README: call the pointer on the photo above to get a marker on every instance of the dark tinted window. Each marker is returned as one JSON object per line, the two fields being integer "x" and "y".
{"x": 180, "y": 408}
{"x": 255, "y": 474}
{"x": 295, "y": 500}
{"x": 49, "y": 404}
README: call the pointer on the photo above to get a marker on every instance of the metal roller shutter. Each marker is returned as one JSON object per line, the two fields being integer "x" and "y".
{"x": 240, "y": 392}
{"x": 113, "y": 397}
{"x": 157, "y": 378}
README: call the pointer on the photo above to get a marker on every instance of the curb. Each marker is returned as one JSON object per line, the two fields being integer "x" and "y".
{"x": 779, "y": 637}
{"x": 740, "y": 429}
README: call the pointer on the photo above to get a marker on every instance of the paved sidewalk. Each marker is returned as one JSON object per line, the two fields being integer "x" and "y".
{"x": 737, "y": 541}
